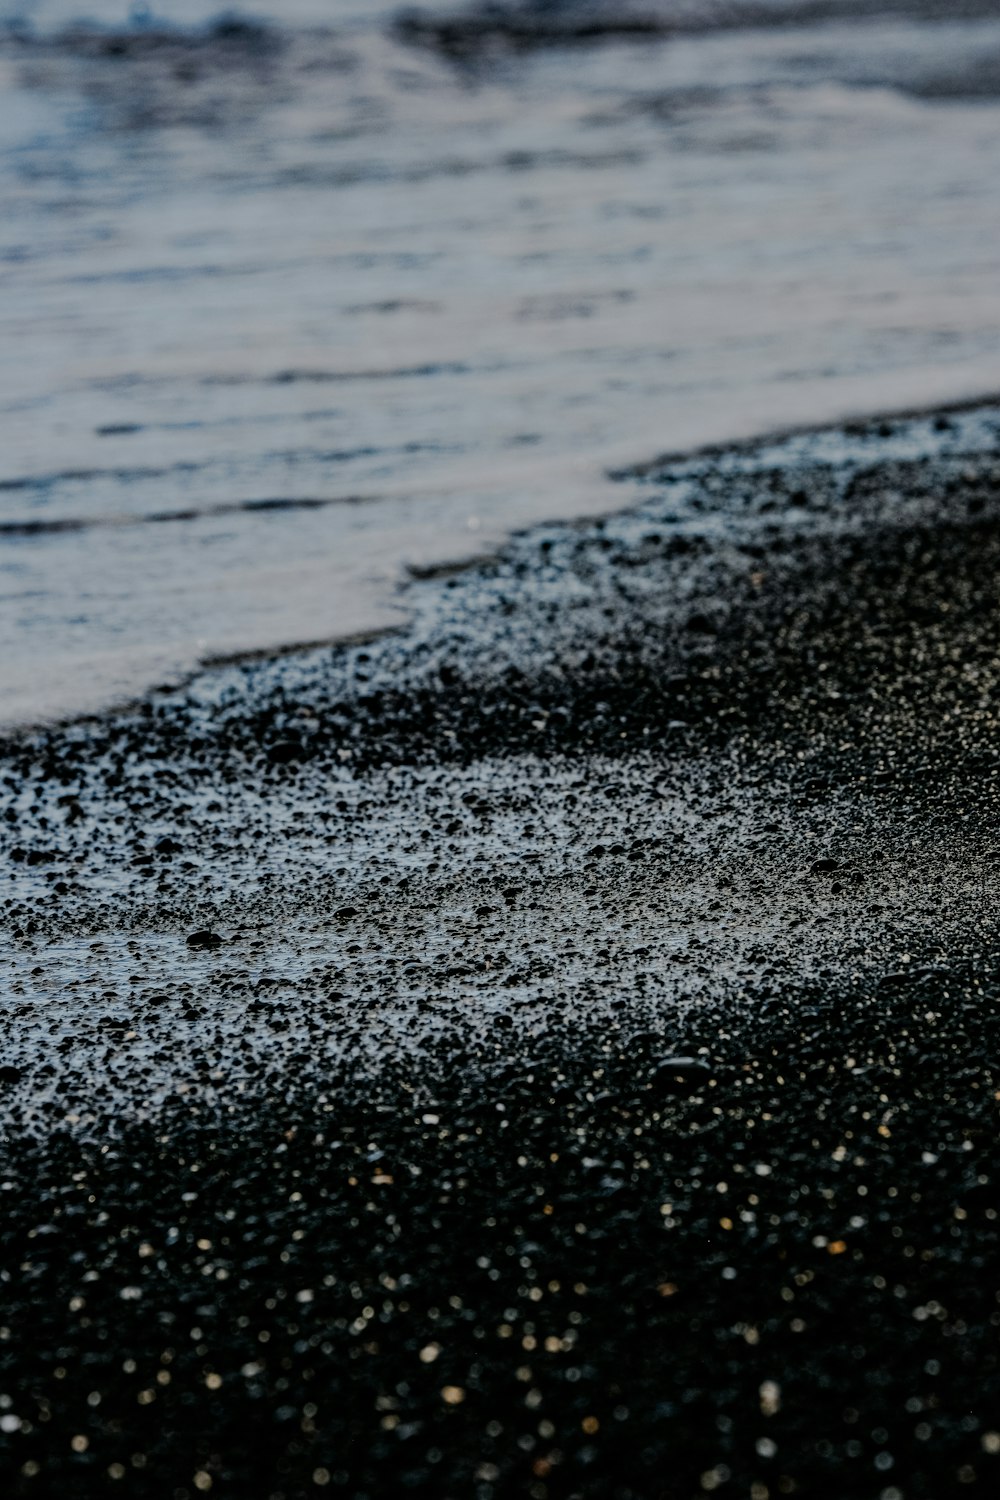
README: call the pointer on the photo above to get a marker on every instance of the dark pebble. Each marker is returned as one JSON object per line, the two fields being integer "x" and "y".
{"x": 284, "y": 752}
{"x": 204, "y": 939}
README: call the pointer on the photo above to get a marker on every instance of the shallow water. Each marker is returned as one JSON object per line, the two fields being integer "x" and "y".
{"x": 286, "y": 313}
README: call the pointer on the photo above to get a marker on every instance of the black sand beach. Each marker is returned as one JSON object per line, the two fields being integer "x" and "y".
{"x": 549, "y": 1051}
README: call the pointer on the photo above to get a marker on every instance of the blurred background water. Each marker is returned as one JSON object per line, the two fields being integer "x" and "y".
{"x": 297, "y": 301}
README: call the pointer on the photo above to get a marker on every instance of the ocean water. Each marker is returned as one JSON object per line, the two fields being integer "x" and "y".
{"x": 296, "y": 308}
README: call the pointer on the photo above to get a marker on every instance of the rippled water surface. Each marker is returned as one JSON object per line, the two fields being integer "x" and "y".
{"x": 291, "y": 306}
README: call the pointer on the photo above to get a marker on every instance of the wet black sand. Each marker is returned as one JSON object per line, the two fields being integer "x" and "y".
{"x": 583, "y": 1079}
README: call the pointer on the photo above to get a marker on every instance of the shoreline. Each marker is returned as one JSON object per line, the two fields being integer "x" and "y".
{"x": 394, "y": 600}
